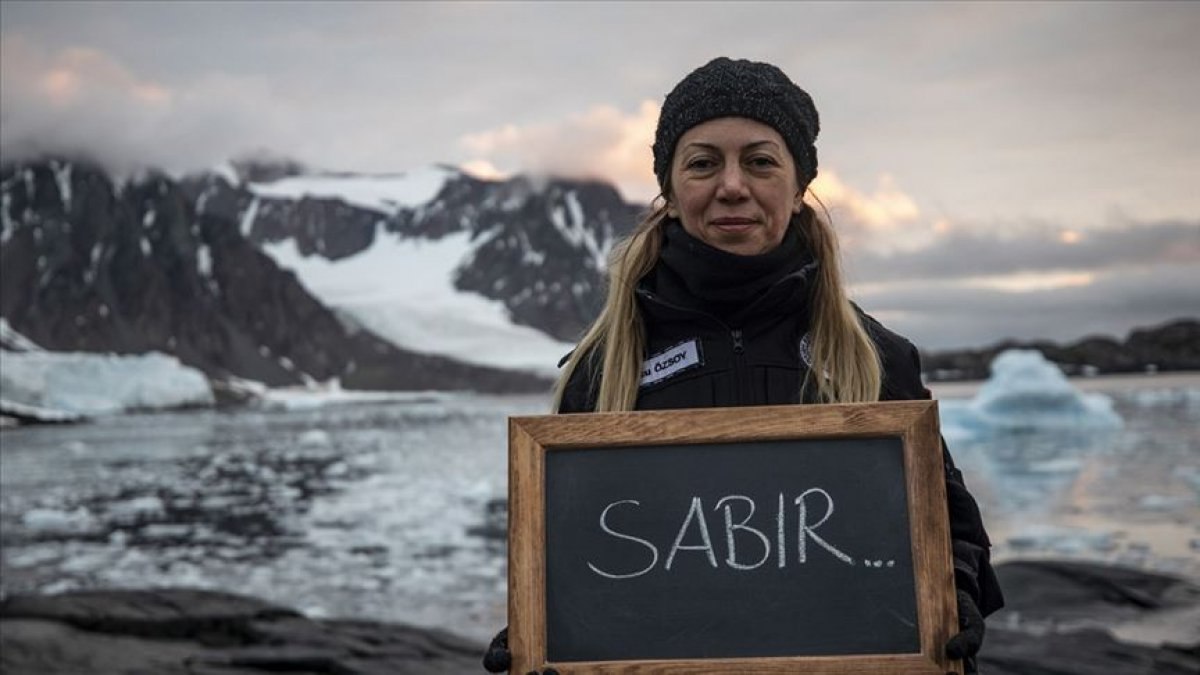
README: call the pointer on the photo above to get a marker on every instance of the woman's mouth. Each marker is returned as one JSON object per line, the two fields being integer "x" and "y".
{"x": 733, "y": 225}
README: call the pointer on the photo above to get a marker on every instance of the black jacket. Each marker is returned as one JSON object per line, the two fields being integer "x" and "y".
{"x": 756, "y": 355}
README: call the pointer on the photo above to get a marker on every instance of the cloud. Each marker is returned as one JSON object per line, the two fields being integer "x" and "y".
{"x": 973, "y": 286}
{"x": 608, "y": 143}
{"x": 80, "y": 100}
{"x": 885, "y": 209}
{"x": 601, "y": 142}
{"x": 885, "y": 219}
{"x": 979, "y": 252}
{"x": 936, "y": 315}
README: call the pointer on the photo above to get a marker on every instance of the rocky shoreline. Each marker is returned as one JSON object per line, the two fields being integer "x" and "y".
{"x": 1081, "y": 618}
{"x": 1063, "y": 618}
{"x": 196, "y": 632}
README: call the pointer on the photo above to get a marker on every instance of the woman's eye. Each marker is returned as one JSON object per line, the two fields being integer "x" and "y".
{"x": 701, "y": 163}
{"x": 762, "y": 161}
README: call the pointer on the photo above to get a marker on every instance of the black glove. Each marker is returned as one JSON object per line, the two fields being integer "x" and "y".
{"x": 966, "y": 644}
{"x": 497, "y": 658}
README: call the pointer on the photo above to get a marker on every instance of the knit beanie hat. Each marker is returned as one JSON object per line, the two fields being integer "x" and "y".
{"x": 727, "y": 88}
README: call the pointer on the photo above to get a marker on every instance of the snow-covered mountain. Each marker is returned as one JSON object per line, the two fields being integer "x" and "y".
{"x": 430, "y": 279}
{"x": 537, "y": 248}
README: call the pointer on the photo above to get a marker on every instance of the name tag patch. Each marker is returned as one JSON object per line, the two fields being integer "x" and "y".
{"x": 671, "y": 362}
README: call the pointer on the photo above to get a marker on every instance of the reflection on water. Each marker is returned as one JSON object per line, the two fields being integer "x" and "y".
{"x": 1033, "y": 472}
{"x": 396, "y": 511}
{"x": 1129, "y": 495}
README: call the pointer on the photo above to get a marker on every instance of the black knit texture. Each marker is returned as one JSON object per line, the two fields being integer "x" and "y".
{"x": 727, "y": 88}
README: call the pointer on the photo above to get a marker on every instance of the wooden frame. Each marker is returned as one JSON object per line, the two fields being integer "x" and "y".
{"x": 914, "y": 422}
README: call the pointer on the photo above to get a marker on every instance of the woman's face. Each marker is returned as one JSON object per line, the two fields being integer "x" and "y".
{"x": 733, "y": 185}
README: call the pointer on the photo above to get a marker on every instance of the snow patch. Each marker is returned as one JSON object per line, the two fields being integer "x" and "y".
{"x": 202, "y": 200}
{"x": 382, "y": 193}
{"x": 62, "y": 176}
{"x": 248, "y": 217}
{"x": 204, "y": 261}
{"x": 225, "y": 170}
{"x": 576, "y": 233}
{"x": 7, "y": 227}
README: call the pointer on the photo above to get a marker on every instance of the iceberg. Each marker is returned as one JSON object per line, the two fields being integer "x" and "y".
{"x": 1028, "y": 393}
{"x": 75, "y": 383}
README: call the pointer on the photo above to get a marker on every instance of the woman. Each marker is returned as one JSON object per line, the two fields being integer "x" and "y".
{"x": 729, "y": 293}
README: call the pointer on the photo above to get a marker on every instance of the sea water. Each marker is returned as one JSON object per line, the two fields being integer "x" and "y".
{"x": 395, "y": 510}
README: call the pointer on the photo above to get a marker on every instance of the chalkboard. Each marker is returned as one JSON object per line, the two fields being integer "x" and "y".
{"x": 780, "y": 548}
{"x": 807, "y": 538}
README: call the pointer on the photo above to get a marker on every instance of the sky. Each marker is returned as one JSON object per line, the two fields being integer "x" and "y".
{"x": 1009, "y": 170}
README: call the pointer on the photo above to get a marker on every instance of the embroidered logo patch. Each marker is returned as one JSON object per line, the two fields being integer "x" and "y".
{"x": 806, "y": 349}
{"x": 671, "y": 362}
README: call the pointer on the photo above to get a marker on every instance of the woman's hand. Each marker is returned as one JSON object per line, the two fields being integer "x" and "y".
{"x": 497, "y": 658}
{"x": 966, "y": 644}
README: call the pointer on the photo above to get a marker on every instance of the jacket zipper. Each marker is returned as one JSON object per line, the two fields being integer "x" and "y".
{"x": 741, "y": 382}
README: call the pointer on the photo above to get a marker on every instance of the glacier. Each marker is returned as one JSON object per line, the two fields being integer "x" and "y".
{"x": 61, "y": 386}
{"x": 403, "y": 291}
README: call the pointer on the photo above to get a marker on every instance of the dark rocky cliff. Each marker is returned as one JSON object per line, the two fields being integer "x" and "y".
{"x": 92, "y": 265}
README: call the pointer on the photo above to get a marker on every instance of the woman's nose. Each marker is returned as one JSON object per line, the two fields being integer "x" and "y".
{"x": 733, "y": 184}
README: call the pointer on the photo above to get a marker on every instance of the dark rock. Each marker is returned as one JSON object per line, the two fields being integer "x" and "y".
{"x": 1076, "y": 618}
{"x": 265, "y": 166}
{"x": 1084, "y": 652}
{"x": 1174, "y": 346}
{"x": 193, "y": 631}
{"x": 1171, "y": 346}
{"x": 1062, "y": 618}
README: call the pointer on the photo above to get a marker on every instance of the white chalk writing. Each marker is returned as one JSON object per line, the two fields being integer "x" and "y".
{"x": 695, "y": 529}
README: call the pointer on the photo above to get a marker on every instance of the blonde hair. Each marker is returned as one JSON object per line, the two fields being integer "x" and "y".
{"x": 842, "y": 352}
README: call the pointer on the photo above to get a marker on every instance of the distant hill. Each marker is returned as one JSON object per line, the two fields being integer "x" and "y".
{"x": 1171, "y": 346}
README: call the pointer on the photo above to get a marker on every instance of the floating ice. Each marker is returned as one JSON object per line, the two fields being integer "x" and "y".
{"x": 47, "y": 520}
{"x": 1028, "y": 393}
{"x": 329, "y": 394}
{"x": 131, "y": 510}
{"x": 314, "y": 438}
